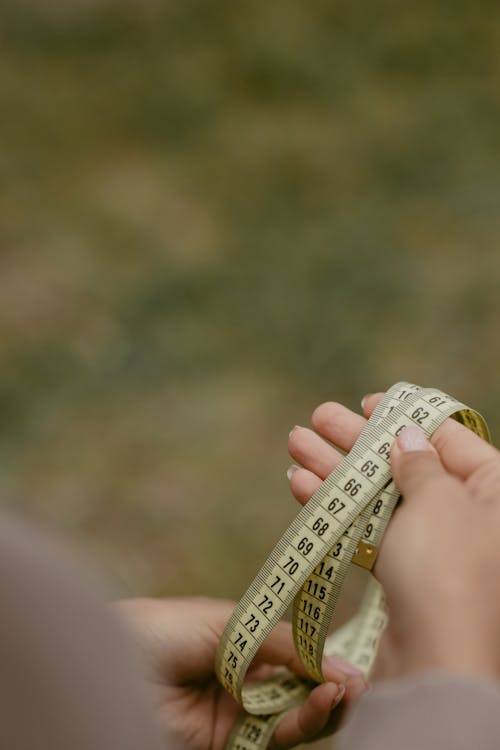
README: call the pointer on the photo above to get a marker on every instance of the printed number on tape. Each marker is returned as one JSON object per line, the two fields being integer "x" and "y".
{"x": 342, "y": 524}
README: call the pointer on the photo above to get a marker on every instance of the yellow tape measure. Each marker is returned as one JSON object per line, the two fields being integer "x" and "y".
{"x": 342, "y": 523}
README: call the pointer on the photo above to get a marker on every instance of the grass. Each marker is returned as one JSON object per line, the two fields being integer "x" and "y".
{"x": 213, "y": 218}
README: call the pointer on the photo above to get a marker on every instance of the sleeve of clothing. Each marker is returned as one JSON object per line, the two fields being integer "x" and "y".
{"x": 69, "y": 678}
{"x": 435, "y": 711}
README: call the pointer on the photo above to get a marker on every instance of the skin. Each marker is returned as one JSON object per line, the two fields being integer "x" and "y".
{"x": 438, "y": 561}
{"x": 179, "y": 637}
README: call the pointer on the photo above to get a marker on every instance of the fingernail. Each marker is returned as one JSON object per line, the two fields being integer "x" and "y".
{"x": 293, "y": 429}
{"x": 413, "y": 439}
{"x": 291, "y": 471}
{"x": 363, "y": 400}
{"x": 338, "y": 697}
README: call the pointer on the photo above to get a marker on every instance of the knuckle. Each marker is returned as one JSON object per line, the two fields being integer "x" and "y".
{"x": 417, "y": 463}
{"x": 423, "y": 472}
{"x": 486, "y": 479}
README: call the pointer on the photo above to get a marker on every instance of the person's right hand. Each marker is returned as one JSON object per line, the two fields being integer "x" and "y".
{"x": 439, "y": 561}
{"x": 179, "y": 637}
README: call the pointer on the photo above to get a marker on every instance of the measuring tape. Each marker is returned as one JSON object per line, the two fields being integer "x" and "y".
{"x": 343, "y": 523}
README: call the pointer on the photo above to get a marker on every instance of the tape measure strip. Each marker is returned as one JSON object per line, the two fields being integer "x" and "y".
{"x": 311, "y": 560}
{"x": 369, "y": 527}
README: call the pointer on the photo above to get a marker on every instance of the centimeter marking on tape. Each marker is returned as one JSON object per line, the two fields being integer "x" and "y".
{"x": 343, "y": 523}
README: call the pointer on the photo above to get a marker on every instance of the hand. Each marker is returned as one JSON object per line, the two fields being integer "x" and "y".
{"x": 179, "y": 638}
{"x": 438, "y": 562}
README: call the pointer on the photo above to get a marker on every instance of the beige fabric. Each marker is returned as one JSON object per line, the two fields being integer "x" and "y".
{"x": 433, "y": 711}
{"x": 69, "y": 679}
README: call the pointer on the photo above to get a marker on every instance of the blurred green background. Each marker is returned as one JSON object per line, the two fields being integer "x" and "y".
{"x": 214, "y": 216}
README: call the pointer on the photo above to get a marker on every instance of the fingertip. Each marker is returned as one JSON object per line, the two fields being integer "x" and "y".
{"x": 370, "y": 401}
{"x": 320, "y": 415}
{"x": 306, "y": 723}
{"x": 415, "y": 463}
{"x": 338, "y": 696}
{"x": 364, "y": 400}
{"x": 410, "y": 441}
{"x": 303, "y": 484}
{"x": 324, "y": 698}
{"x": 356, "y": 685}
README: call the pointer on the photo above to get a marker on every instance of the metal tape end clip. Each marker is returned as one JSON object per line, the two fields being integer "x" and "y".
{"x": 365, "y": 555}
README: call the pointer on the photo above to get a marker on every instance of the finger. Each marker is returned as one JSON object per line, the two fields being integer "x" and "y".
{"x": 355, "y": 682}
{"x": 461, "y": 450}
{"x": 312, "y": 452}
{"x": 417, "y": 469}
{"x": 303, "y": 483}
{"x": 331, "y": 660}
{"x": 338, "y": 424}
{"x": 278, "y": 648}
{"x": 157, "y": 625}
{"x": 306, "y": 722}
{"x": 369, "y": 402}
{"x": 355, "y": 687}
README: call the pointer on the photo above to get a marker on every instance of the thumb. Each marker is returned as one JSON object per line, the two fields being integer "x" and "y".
{"x": 416, "y": 467}
{"x": 278, "y": 649}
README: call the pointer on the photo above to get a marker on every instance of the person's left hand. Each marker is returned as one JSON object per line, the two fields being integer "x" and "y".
{"x": 179, "y": 638}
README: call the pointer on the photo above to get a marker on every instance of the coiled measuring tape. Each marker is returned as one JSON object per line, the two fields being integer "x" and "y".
{"x": 343, "y": 523}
